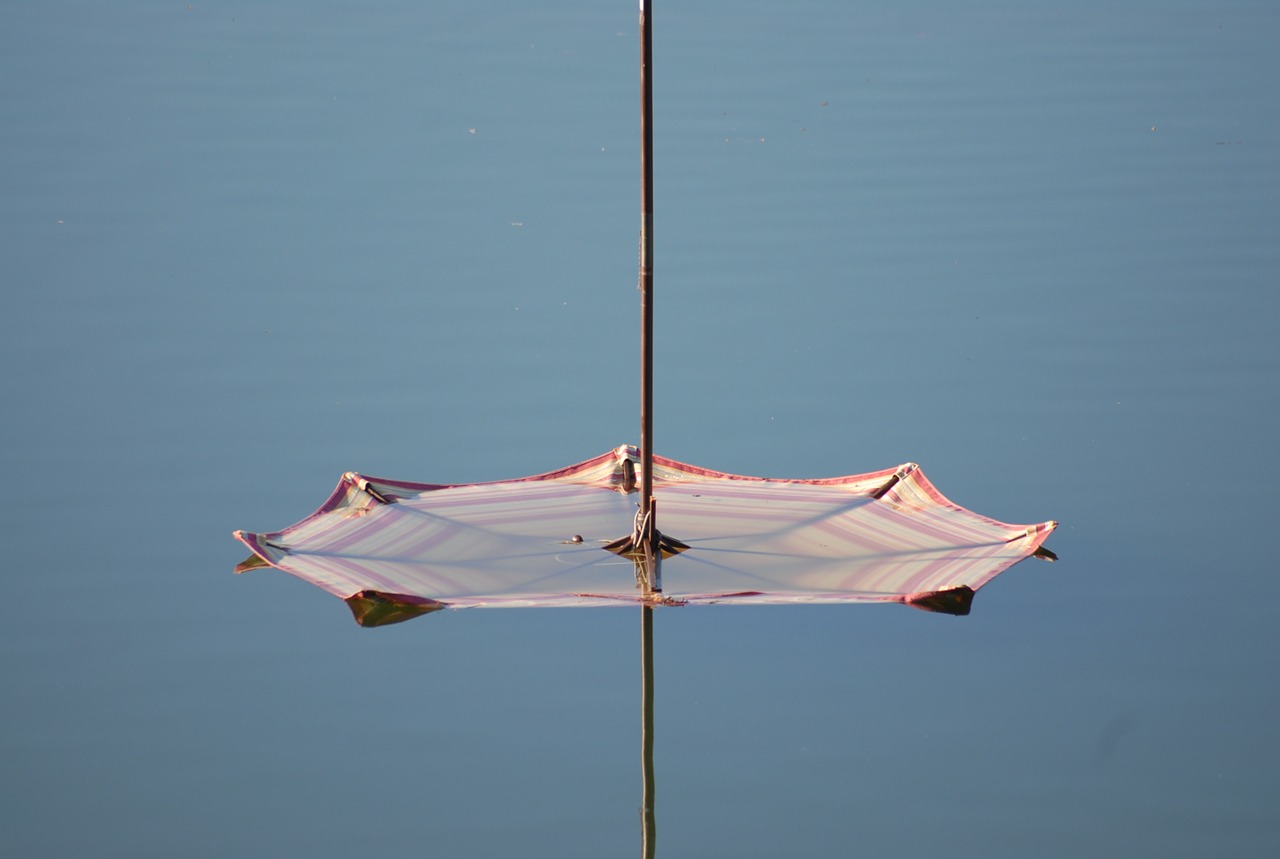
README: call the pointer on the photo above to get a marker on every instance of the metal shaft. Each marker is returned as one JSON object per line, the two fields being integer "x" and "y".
{"x": 646, "y": 268}
{"x": 649, "y": 830}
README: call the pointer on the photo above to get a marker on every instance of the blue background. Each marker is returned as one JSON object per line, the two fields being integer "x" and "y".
{"x": 246, "y": 247}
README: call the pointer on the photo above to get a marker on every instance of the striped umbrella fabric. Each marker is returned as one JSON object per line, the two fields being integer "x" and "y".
{"x": 395, "y": 550}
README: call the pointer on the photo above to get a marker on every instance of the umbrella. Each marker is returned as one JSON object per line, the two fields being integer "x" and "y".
{"x": 395, "y": 550}
{"x": 588, "y": 534}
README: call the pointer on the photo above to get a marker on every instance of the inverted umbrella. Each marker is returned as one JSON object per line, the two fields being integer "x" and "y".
{"x": 394, "y": 549}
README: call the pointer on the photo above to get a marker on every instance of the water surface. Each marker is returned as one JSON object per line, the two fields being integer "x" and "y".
{"x": 248, "y": 248}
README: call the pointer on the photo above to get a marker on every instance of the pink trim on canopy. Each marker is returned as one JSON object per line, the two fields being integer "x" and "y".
{"x": 884, "y": 536}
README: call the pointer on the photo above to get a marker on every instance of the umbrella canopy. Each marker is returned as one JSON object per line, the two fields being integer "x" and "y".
{"x": 394, "y": 550}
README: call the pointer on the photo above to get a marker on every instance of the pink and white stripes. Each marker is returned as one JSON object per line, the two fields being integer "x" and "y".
{"x": 885, "y": 536}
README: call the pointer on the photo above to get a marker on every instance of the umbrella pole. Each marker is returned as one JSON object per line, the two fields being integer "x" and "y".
{"x": 646, "y": 278}
{"x": 649, "y": 831}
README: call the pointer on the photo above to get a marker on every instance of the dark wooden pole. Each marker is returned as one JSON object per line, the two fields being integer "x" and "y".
{"x": 646, "y": 277}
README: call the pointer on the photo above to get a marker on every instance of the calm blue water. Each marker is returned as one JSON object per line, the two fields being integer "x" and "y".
{"x": 245, "y": 248}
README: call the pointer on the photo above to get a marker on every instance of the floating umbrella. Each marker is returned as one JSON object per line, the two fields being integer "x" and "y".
{"x": 395, "y": 550}
{"x": 588, "y": 534}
